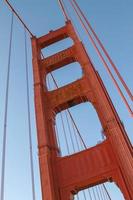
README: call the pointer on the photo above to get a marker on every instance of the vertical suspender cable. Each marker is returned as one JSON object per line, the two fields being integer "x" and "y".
{"x": 68, "y": 124}
{"x": 102, "y": 59}
{"x": 75, "y": 135}
{"x": 89, "y": 193}
{"x": 6, "y": 114}
{"x": 77, "y": 129}
{"x": 84, "y": 195}
{"x": 70, "y": 18}
{"x": 65, "y": 134}
{"x": 94, "y": 193}
{"x": 106, "y": 191}
{"x": 104, "y": 194}
{"x": 98, "y": 194}
{"x": 105, "y": 51}
{"x": 29, "y": 120}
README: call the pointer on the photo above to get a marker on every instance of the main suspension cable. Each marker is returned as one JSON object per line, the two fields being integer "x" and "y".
{"x": 62, "y": 6}
{"x": 29, "y": 118}
{"x": 102, "y": 59}
{"x": 104, "y": 50}
{"x": 17, "y": 15}
{"x": 4, "y": 143}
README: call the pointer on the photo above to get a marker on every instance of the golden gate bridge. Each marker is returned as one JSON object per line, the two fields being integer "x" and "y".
{"x": 79, "y": 171}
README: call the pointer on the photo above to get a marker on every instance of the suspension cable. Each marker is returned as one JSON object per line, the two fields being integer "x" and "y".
{"x": 94, "y": 193}
{"x": 102, "y": 192}
{"x": 4, "y": 143}
{"x": 75, "y": 134}
{"x": 29, "y": 118}
{"x": 77, "y": 130}
{"x": 84, "y": 195}
{"x": 89, "y": 193}
{"x": 106, "y": 191}
{"x": 65, "y": 134}
{"x": 104, "y": 50}
{"x": 17, "y": 15}
{"x": 101, "y": 195}
{"x": 102, "y": 59}
{"x": 68, "y": 124}
{"x": 62, "y": 6}
{"x": 98, "y": 193}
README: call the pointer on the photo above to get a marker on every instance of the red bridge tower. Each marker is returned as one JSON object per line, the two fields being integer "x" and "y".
{"x": 62, "y": 177}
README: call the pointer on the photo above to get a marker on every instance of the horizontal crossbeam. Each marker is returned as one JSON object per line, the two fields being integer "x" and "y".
{"x": 70, "y": 95}
{"x": 58, "y": 60}
{"x": 86, "y": 168}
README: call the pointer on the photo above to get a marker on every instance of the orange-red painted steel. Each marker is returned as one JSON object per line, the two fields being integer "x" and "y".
{"x": 112, "y": 160}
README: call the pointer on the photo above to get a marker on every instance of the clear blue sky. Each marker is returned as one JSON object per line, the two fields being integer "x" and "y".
{"x": 112, "y": 20}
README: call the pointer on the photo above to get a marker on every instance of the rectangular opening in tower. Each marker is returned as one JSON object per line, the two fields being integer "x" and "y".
{"x": 64, "y": 76}
{"x": 57, "y": 47}
{"x": 86, "y": 128}
{"x": 106, "y": 191}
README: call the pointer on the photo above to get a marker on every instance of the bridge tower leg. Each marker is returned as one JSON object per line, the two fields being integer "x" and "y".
{"x": 62, "y": 177}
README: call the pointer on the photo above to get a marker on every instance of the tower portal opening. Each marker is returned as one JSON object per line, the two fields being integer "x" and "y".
{"x": 86, "y": 122}
{"x": 57, "y": 47}
{"x": 64, "y": 75}
{"x": 108, "y": 190}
